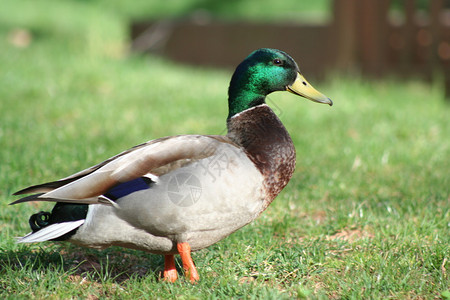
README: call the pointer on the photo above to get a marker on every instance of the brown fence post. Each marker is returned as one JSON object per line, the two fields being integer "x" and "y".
{"x": 372, "y": 34}
{"x": 343, "y": 32}
{"x": 408, "y": 33}
{"x": 436, "y": 7}
{"x": 437, "y": 61}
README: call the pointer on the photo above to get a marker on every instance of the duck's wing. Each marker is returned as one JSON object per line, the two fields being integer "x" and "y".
{"x": 49, "y": 186}
{"x": 149, "y": 160}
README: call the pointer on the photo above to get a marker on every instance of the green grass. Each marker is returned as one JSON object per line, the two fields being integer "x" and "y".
{"x": 366, "y": 214}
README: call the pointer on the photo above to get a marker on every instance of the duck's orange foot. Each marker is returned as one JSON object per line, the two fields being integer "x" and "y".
{"x": 170, "y": 271}
{"x": 188, "y": 264}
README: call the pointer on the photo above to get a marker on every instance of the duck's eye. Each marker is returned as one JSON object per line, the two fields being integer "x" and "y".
{"x": 277, "y": 62}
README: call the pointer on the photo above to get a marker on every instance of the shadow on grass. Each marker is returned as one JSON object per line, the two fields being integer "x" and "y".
{"x": 115, "y": 265}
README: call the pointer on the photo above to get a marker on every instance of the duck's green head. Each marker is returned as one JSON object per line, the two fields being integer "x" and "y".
{"x": 265, "y": 71}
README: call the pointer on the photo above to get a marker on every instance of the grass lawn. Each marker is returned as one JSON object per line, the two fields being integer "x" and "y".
{"x": 366, "y": 214}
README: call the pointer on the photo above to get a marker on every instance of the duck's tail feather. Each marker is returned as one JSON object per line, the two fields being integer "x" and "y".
{"x": 51, "y": 232}
{"x": 58, "y": 225}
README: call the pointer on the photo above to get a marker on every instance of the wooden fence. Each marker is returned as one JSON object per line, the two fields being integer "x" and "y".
{"x": 377, "y": 37}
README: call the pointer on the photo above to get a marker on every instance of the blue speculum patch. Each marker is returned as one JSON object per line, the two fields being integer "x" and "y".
{"x": 129, "y": 187}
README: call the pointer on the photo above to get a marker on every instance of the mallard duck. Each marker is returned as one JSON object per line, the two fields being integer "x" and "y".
{"x": 178, "y": 194}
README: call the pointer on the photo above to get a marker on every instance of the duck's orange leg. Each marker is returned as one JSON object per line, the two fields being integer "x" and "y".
{"x": 188, "y": 264}
{"x": 170, "y": 271}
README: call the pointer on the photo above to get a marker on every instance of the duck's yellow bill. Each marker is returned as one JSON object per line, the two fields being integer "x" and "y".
{"x": 302, "y": 88}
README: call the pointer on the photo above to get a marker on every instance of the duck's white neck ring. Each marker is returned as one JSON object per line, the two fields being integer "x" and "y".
{"x": 248, "y": 109}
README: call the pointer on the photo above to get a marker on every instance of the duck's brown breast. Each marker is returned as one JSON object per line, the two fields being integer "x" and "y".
{"x": 268, "y": 144}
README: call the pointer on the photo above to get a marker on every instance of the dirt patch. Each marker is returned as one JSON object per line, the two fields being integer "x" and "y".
{"x": 351, "y": 235}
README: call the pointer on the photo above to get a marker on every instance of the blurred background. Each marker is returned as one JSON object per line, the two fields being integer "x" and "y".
{"x": 375, "y": 38}
{"x": 403, "y": 37}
